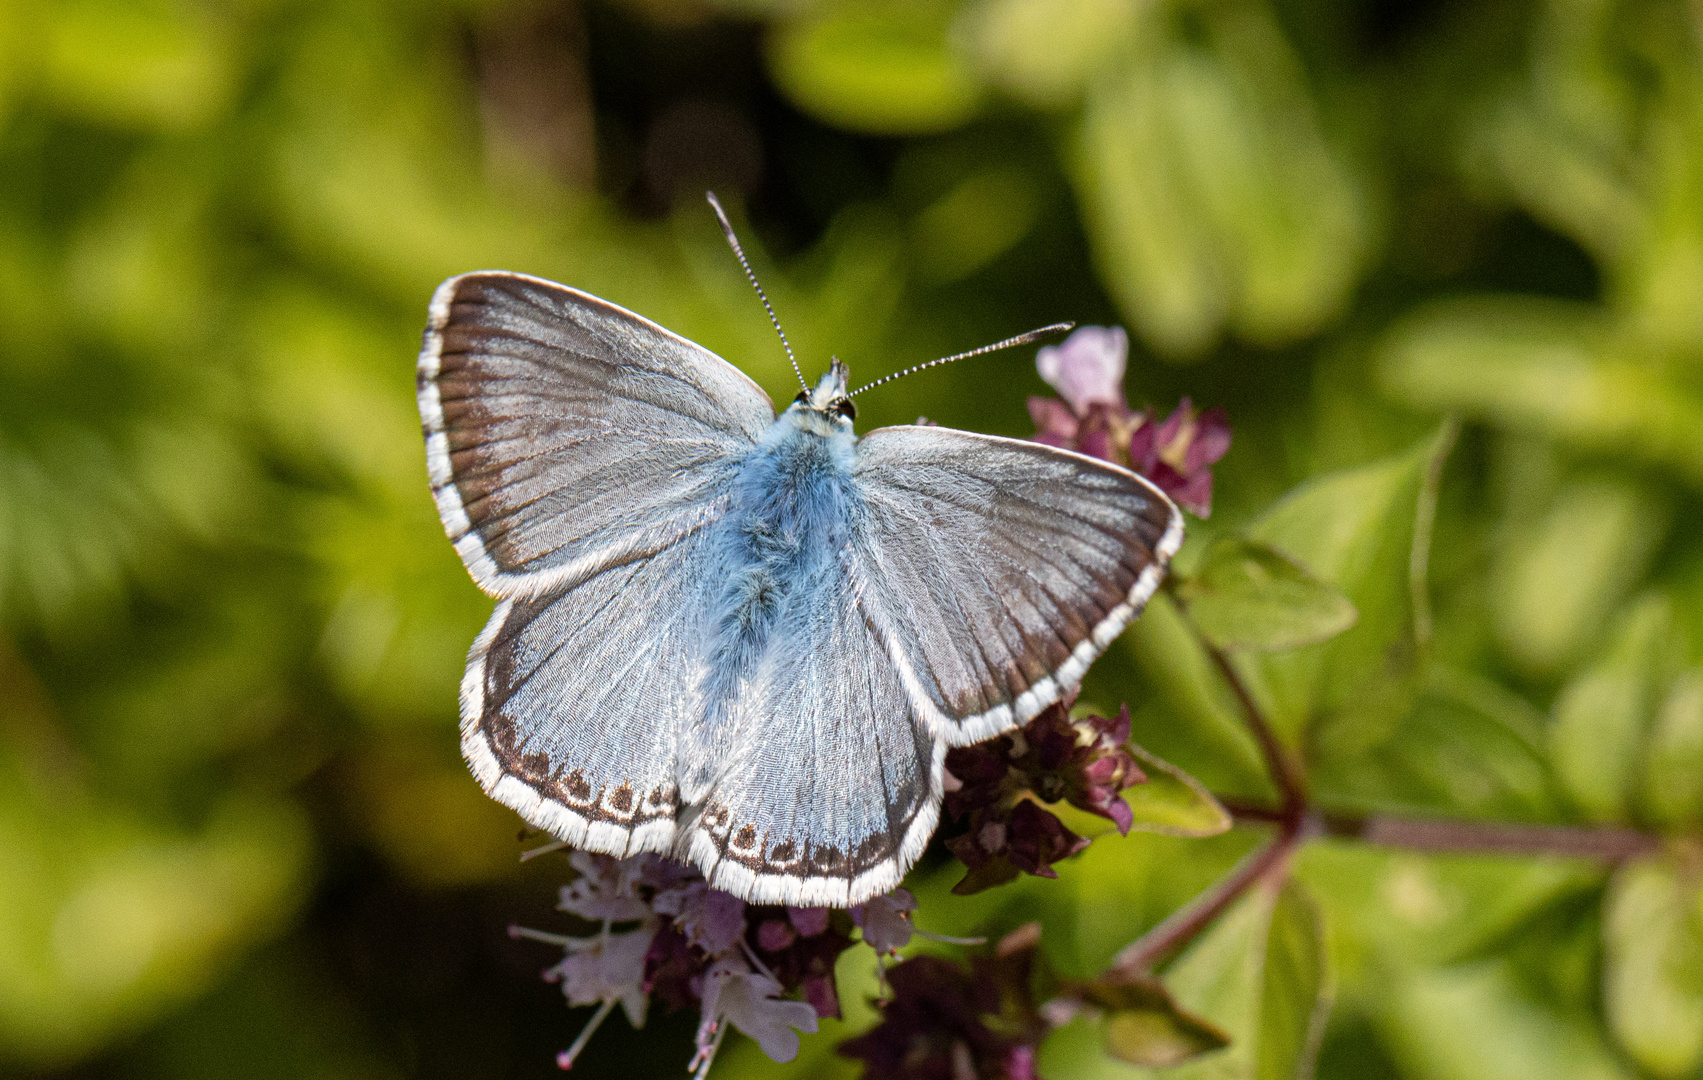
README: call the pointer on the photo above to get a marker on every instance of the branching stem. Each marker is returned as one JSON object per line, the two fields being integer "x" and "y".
{"x": 1297, "y": 818}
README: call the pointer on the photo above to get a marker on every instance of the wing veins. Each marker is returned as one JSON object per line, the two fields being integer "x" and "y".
{"x": 971, "y": 506}
{"x": 555, "y": 649}
{"x": 485, "y": 526}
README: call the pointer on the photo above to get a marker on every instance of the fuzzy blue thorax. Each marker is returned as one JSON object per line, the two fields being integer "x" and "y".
{"x": 794, "y": 509}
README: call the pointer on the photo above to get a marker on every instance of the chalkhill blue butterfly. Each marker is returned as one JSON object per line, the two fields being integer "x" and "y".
{"x": 743, "y": 639}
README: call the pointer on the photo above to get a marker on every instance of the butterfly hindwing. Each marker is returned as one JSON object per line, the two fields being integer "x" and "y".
{"x": 574, "y": 702}
{"x": 565, "y": 434}
{"x": 996, "y": 570}
{"x": 832, "y": 785}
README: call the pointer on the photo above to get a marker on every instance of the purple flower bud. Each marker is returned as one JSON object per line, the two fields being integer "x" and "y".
{"x": 1053, "y": 758}
{"x": 945, "y": 1020}
{"x": 774, "y": 935}
{"x": 1020, "y": 1063}
{"x": 712, "y": 920}
{"x": 800, "y": 947}
{"x": 823, "y": 996}
{"x": 808, "y": 921}
{"x": 1038, "y": 839}
{"x": 695, "y": 947}
{"x": 885, "y": 920}
{"x": 1179, "y": 453}
{"x": 671, "y": 966}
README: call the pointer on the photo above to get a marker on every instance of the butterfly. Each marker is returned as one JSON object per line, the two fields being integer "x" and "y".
{"x": 740, "y": 639}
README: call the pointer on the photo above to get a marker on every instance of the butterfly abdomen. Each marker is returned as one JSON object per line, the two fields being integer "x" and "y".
{"x": 791, "y": 516}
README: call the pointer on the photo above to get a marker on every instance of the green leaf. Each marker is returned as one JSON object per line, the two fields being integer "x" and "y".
{"x": 1288, "y": 213}
{"x": 1653, "y": 964}
{"x": 1152, "y": 246}
{"x": 1673, "y": 784}
{"x": 973, "y": 224}
{"x": 1338, "y": 524}
{"x": 1045, "y": 51}
{"x": 1463, "y": 746}
{"x": 1473, "y": 1023}
{"x": 1249, "y": 595}
{"x": 1172, "y": 802}
{"x": 106, "y": 923}
{"x": 1144, "y": 1026}
{"x": 1544, "y": 366}
{"x": 1297, "y": 988}
{"x": 149, "y": 65}
{"x": 1261, "y": 974}
{"x": 1354, "y": 530}
{"x": 1391, "y": 907}
{"x": 1211, "y": 195}
{"x": 1563, "y": 574}
{"x": 876, "y": 66}
{"x": 1600, "y": 718}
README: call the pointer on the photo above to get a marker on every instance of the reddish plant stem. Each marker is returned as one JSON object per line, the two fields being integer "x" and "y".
{"x": 1185, "y": 924}
{"x": 1270, "y": 861}
{"x": 1286, "y": 770}
{"x": 1610, "y": 842}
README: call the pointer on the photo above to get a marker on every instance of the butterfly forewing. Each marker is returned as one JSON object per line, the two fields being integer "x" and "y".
{"x": 996, "y": 570}
{"x": 565, "y": 434}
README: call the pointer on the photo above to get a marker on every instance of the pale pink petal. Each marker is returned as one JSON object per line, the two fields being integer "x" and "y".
{"x": 724, "y": 921}
{"x": 604, "y": 889}
{"x": 608, "y": 967}
{"x": 1211, "y": 440}
{"x": 712, "y": 920}
{"x": 748, "y": 1002}
{"x": 1087, "y": 367}
{"x": 1052, "y": 418}
{"x": 1195, "y": 494}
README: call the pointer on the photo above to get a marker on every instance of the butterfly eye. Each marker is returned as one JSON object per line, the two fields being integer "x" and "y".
{"x": 803, "y": 398}
{"x": 845, "y": 408}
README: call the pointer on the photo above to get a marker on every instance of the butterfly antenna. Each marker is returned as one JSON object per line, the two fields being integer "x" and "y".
{"x": 733, "y": 242}
{"x": 1020, "y": 339}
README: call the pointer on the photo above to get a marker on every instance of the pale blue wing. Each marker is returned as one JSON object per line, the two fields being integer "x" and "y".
{"x": 828, "y": 785}
{"x": 565, "y": 435}
{"x": 574, "y": 702}
{"x": 996, "y": 570}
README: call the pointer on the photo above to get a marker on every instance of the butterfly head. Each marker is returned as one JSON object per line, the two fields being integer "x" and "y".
{"x": 829, "y": 399}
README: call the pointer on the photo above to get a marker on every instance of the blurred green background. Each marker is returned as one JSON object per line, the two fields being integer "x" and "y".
{"x": 235, "y": 835}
